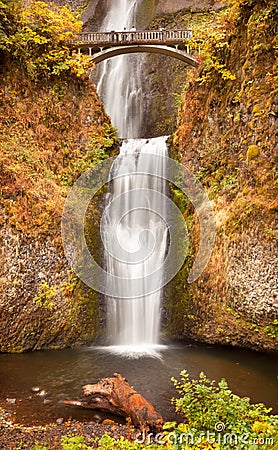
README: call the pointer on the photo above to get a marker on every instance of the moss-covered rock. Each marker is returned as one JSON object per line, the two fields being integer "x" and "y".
{"x": 253, "y": 152}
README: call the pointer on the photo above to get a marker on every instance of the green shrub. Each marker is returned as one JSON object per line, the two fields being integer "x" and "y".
{"x": 214, "y": 408}
{"x": 74, "y": 443}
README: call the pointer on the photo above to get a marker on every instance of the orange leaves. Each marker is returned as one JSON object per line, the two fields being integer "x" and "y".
{"x": 45, "y": 143}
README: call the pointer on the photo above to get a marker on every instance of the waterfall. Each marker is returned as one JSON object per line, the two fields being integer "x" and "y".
{"x": 133, "y": 324}
{"x": 118, "y": 83}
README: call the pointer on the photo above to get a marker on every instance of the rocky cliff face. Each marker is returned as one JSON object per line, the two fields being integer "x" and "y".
{"x": 42, "y": 303}
{"x": 51, "y": 131}
{"x": 173, "y": 6}
{"x": 162, "y": 88}
{"x": 227, "y": 135}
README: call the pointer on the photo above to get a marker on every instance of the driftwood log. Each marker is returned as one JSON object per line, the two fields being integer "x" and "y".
{"x": 116, "y": 396}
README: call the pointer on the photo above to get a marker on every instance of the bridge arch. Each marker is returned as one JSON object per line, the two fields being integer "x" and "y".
{"x": 141, "y": 48}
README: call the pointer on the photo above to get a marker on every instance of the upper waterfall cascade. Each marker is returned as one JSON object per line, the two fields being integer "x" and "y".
{"x": 119, "y": 84}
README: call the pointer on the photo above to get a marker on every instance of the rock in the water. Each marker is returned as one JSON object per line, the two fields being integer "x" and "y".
{"x": 35, "y": 389}
{"x": 42, "y": 393}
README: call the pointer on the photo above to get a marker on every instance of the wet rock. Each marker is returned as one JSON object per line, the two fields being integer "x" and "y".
{"x": 108, "y": 422}
{"x": 97, "y": 418}
{"x": 35, "y": 389}
{"x": 252, "y": 278}
{"x": 33, "y": 296}
{"x": 42, "y": 393}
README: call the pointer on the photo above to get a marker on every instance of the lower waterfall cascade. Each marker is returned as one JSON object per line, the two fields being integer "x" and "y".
{"x": 133, "y": 324}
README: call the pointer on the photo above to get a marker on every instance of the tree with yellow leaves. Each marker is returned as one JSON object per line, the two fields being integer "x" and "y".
{"x": 37, "y": 36}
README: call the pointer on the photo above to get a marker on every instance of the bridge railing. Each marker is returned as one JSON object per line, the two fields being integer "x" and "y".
{"x": 123, "y": 37}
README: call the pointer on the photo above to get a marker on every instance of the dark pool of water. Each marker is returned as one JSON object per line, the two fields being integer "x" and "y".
{"x": 62, "y": 373}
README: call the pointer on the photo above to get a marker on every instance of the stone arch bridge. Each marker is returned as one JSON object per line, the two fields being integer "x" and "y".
{"x": 103, "y": 45}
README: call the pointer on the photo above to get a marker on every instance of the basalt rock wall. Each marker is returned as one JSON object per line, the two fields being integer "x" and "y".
{"x": 227, "y": 136}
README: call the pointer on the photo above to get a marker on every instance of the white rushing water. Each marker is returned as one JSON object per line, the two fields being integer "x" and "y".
{"x": 119, "y": 84}
{"x": 133, "y": 324}
{"x": 134, "y": 225}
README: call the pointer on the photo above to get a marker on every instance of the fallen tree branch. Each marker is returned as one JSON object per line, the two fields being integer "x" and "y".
{"x": 116, "y": 396}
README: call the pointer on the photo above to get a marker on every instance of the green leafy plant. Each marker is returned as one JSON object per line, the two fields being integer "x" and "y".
{"x": 40, "y": 447}
{"x": 74, "y": 443}
{"x": 272, "y": 329}
{"x": 210, "y": 406}
{"x": 210, "y": 40}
